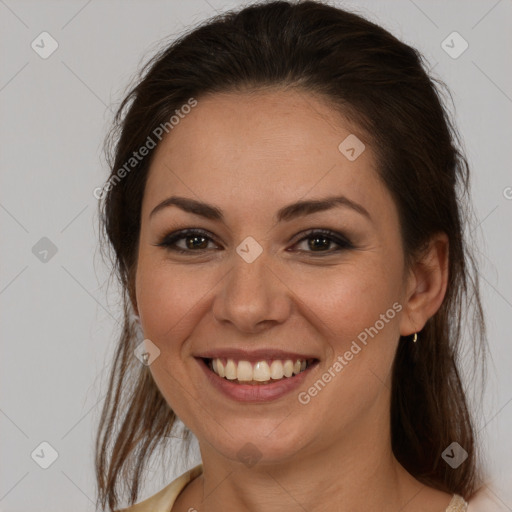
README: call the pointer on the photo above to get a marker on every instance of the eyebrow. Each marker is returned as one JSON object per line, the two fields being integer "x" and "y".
{"x": 287, "y": 213}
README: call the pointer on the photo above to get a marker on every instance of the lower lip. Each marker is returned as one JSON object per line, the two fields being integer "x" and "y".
{"x": 255, "y": 392}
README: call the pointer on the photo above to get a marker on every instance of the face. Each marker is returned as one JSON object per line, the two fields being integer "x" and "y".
{"x": 258, "y": 283}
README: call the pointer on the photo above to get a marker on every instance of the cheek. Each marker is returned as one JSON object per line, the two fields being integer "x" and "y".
{"x": 357, "y": 310}
{"x": 168, "y": 298}
{"x": 348, "y": 299}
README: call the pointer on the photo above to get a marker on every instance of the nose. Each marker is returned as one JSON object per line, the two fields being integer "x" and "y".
{"x": 252, "y": 297}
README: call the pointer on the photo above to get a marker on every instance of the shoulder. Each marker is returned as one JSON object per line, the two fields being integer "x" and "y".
{"x": 163, "y": 500}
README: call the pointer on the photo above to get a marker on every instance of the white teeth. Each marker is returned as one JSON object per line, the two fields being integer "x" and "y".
{"x": 244, "y": 370}
{"x": 230, "y": 370}
{"x": 276, "y": 370}
{"x": 221, "y": 371}
{"x": 288, "y": 368}
{"x": 260, "y": 371}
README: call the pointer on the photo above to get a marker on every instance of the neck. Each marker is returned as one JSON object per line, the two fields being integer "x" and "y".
{"x": 359, "y": 473}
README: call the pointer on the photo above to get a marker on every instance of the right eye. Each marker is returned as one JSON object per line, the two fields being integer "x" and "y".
{"x": 196, "y": 240}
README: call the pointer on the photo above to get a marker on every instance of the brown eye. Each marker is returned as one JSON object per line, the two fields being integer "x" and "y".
{"x": 320, "y": 241}
{"x": 195, "y": 241}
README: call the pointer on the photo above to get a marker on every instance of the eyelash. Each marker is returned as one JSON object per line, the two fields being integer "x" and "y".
{"x": 169, "y": 240}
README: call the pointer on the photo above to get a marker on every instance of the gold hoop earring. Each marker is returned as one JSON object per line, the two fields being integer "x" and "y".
{"x": 415, "y": 337}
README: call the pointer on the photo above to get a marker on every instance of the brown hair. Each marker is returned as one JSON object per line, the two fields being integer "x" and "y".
{"x": 381, "y": 85}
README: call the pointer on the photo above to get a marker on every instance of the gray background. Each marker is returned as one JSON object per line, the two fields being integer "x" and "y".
{"x": 59, "y": 324}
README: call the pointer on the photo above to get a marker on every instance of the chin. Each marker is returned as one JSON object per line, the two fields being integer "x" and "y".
{"x": 267, "y": 442}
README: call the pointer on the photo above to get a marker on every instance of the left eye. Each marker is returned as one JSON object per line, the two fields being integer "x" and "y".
{"x": 198, "y": 240}
{"x": 316, "y": 240}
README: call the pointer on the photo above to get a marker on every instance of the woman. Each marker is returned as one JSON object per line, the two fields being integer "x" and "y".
{"x": 286, "y": 212}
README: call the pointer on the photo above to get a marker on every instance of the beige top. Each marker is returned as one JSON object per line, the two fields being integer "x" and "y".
{"x": 163, "y": 500}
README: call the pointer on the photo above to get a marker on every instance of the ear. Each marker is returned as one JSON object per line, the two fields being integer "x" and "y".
{"x": 426, "y": 285}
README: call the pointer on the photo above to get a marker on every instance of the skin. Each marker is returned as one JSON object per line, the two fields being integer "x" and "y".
{"x": 251, "y": 154}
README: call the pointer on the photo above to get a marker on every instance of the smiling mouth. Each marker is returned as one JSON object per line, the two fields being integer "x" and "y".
{"x": 260, "y": 372}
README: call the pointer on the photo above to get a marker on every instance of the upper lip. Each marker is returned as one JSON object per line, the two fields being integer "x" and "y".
{"x": 253, "y": 355}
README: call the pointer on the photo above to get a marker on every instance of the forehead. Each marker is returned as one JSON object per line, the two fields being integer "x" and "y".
{"x": 263, "y": 121}
{"x": 273, "y": 145}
